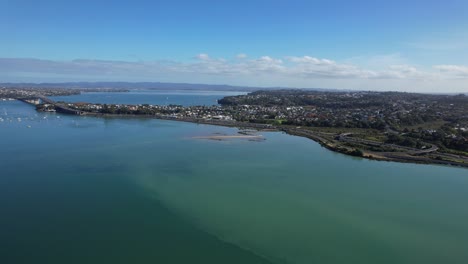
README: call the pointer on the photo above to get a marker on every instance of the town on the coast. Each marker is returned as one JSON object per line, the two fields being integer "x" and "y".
{"x": 392, "y": 126}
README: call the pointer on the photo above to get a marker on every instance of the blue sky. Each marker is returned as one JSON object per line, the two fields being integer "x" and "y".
{"x": 389, "y": 45}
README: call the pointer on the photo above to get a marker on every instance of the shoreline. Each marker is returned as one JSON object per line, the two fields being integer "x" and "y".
{"x": 326, "y": 143}
{"x": 357, "y": 150}
{"x": 378, "y": 156}
{"x": 221, "y": 137}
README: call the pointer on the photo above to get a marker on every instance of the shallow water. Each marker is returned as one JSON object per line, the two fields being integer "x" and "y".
{"x": 80, "y": 189}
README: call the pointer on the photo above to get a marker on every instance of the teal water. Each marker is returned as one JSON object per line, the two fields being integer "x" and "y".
{"x": 90, "y": 190}
{"x": 155, "y": 97}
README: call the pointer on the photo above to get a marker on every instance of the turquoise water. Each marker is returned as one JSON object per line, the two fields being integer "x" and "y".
{"x": 90, "y": 190}
{"x": 156, "y": 97}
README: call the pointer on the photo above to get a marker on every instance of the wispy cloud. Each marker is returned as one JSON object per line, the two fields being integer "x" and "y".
{"x": 203, "y": 57}
{"x": 453, "y": 70}
{"x": 241, "y": 56}
{"x": 379, "y": 61}
{"x": 449, "y": 40}
{"x": 437, "y": 45}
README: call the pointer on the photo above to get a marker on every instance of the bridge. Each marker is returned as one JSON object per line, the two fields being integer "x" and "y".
{"x": 59, "y": 107}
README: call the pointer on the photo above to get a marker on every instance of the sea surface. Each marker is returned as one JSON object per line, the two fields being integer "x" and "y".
{"x": 107, "y": 190}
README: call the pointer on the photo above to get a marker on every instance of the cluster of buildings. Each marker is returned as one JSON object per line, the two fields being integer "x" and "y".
{"x": 352, "y": 109}
{"x": 170, "y": 111}
{"x": 34, "y": 93}
{"x": 324, "y": 109}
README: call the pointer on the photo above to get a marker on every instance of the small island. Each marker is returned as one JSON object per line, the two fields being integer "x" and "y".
{"x": 389, "y": 126}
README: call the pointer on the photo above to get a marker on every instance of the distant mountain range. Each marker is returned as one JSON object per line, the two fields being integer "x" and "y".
{"x": 148, "y": 86}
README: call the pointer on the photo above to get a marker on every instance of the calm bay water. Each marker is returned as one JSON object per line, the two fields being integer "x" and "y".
{"x": 91, "y": 190}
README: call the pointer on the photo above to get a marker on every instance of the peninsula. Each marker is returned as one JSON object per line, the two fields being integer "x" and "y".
{"x": 390, "y": 126}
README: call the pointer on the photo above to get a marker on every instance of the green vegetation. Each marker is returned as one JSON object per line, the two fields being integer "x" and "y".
{"x": 357, "y": 153}
{"x": 406, "y": 119}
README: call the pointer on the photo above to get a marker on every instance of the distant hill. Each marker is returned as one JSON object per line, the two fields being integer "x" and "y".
{"x": 147, "y": 86}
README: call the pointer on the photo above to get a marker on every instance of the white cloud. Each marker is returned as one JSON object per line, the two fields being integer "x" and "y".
{"x": 403, "y": 72}
{"x": 453, "y": 70}
{"x": 313, "y": 67}
{"x": 264, "y": 64}
{"x": 310, "y": 67}
{"x": 310, "y": 60}
{"x": 305, "y": 71}
{"x": 378, "y": 62}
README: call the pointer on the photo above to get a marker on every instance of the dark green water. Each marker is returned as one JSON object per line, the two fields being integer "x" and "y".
{"x": 90, "y": 190}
